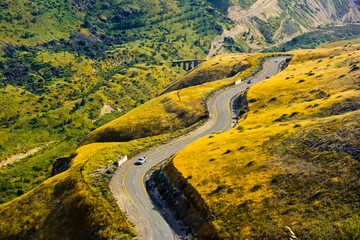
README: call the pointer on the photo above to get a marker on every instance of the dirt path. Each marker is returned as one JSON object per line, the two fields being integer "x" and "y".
{"x": 106, "y": 109}
{"x": 18, "y": 157}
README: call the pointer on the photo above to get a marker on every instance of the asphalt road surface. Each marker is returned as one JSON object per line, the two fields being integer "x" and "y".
{"x": 130, "y": 177}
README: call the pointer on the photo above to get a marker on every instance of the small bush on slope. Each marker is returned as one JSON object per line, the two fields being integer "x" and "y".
{"x": 276, "y": 174}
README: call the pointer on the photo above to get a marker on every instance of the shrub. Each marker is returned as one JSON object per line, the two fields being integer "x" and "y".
{"x": 240, "y": 128}
{"x": 273, "y": 99}
{"x": 242, "y": 111}
{"x": 311, "y": 73}
{"x": 256, "y": 187}
{"x": 227, "y": 152}
{"x": 222, "y": 186}
{"x": 282, "y": 118}
{"x": 355, "y": 67}
{"x": 294, "y": 114}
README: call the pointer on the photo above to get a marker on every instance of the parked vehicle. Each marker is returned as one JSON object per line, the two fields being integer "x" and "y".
{"x": 249, "y": 82}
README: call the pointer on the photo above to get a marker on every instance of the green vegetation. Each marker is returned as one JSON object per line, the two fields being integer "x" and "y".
{"x": 68, "y": 67}
{"x": 318, "y": 37}
{"x": 80, "y": 197}
{"x": 84, "y": 186}
{"x": 244, "y": 3}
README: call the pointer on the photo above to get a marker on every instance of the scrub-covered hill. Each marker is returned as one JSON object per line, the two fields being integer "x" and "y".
{"x": 182, "y": 107}
{"x": 79, "y": 194}
{"x": 69, "y": 67}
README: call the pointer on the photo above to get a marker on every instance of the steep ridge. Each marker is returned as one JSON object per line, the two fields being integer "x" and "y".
{"x": 269, "y": 22}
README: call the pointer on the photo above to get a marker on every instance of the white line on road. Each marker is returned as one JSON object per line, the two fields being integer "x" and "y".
{"x": 157, "y": 224}
{"x": 137, "y": 194}
{"x": 133, "y": 181}
{"x": 147, "y": 209}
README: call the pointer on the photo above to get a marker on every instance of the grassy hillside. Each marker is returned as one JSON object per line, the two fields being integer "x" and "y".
{"x": 80, "y": 195}
{"x": 63, "y": 63}
{"x": 79, "y": 198}
{"x": 182, "y": 107}
{"x": 292, "y": 161}
{"x": 24, "y": 22}
{"x": 217, "y": 68}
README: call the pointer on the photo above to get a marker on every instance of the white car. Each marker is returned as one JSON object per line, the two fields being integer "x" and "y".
{"x": 141, "y": 160}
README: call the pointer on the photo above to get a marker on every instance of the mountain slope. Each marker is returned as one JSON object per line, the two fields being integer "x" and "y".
{"x": 66, "y": 63}
{"x": 292, "y": 161}
{"x": 270, "y": 22}
{"x": 80, "y": 195}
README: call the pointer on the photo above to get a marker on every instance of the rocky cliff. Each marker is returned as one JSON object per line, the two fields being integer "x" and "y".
{"x": 271, "y": 22}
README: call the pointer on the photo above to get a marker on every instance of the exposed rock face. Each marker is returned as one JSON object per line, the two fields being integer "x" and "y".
{"x": 269, "y": 22}
{"x": 184, "y": 202}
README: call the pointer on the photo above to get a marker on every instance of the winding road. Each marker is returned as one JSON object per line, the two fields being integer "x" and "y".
{"x": 127, "y": 184}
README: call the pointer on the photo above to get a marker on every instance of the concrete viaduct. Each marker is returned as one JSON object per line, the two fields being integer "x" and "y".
{"x": 188, "y": 64}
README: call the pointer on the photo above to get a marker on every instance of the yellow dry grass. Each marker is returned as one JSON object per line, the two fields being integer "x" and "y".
{"x": 76, "y": 196}
{"x": 83, "y": 199}
{"x": 231, "y": 168}
{"x": 230, "y": 66}
{"x": 173, "y": 110}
